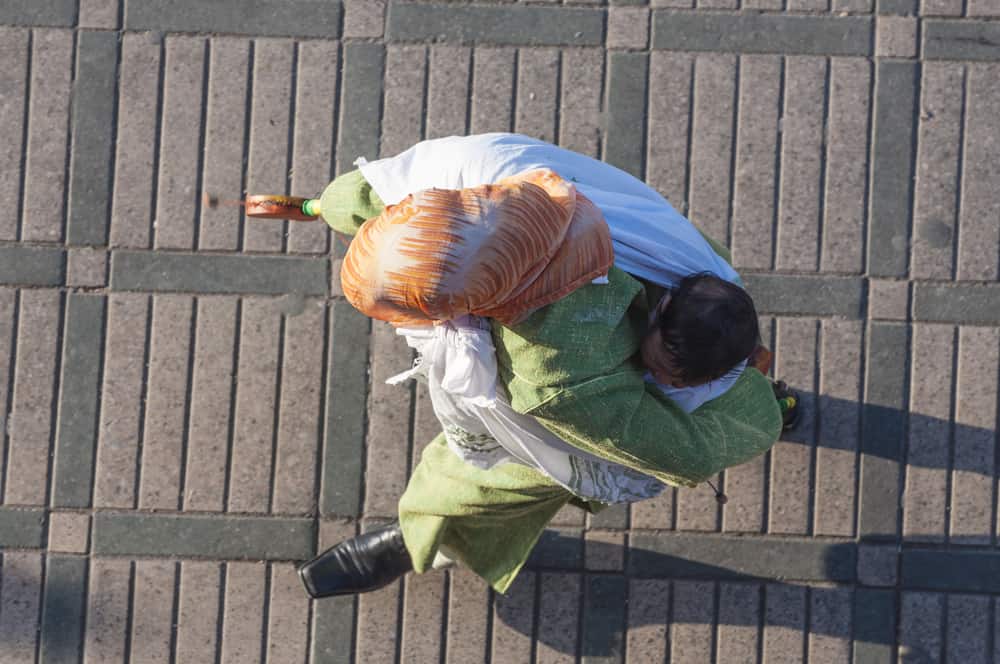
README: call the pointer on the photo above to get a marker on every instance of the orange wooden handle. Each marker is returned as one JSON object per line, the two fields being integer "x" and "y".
{"x": 265, "y": 206}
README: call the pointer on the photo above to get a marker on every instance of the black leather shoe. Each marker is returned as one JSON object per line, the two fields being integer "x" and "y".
{"x": 358, "y": 565}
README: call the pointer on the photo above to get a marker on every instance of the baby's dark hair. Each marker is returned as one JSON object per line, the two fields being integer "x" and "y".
{"x": 708, "y": 327}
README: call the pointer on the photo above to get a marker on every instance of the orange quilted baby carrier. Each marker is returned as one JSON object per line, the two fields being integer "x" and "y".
{"x": 499, "y": 251}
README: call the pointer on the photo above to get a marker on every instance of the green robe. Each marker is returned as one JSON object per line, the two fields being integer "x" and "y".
{"x": 572, "y": 365}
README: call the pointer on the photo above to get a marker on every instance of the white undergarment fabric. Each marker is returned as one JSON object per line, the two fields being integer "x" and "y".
{"x": 651, "y": 241}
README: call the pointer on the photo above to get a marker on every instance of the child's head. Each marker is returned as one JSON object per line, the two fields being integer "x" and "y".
{"x": 699, "y": 331}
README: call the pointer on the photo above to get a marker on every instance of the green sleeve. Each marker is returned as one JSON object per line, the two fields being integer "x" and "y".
{"x": 348, "y": 202}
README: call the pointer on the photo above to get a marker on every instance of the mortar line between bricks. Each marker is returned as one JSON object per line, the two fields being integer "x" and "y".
{"x": 265, "y": 618}
{"x": 245, "y": 163}
{"x": 231, "y": 424}
{"x": 514, "y": 71}
{"x": 911, "y": 199}
{"x": 112, "y": 152}
{"x": 949, "y": 479}
{"x": 143, "y": 397}
{"x": 557, "y": 98}
{"x": 206, "y": 71}
{"x": 778, "y": 145}
{"x": 734, "y": 142}
{"x": 54, "y": 414}
{"x": 175, "y": 609}
{"x": 5, "y": 436}
{"x": 761, "y": 618}
{"x": 321, "y": 425}
{"x": 220, "y": 619}
{"x": 765, "y": 508}
{"x": 40, "y": 611}
{"x": 276, "y": 417}
{"x": 688, "y": 153}
{"x": 293, "y": 88}
{"x": 994, "y": 523}
{"x": 859, "y": 428}
{"x": 26, "y": 121}
{"x": 960, "y": 171}
{"x": 400, "y": 616}
{"x": 469, "y": 81}
{"x": 817, "y": 433}
{"x": 188, "y": 390}
{"x": 806, "y": 620}
{"x": 161, "y": 94}
{"x": 445, "y": 600}
{"x": 823, "y": 162}
{"x": 130, "y": 613}
{"x": 869, "y": 158}
{"x": 68, "y": 126}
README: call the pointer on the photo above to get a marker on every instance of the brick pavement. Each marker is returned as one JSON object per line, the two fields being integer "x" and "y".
{"x": 189, "y": 405}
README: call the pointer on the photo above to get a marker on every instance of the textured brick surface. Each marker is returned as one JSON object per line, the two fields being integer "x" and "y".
{"x": 99, "y": 13}
{"x": 896, "y": 36}
{"x": 628, "y": 27}
{"x": 69, "y": 532}
{"x": 364, "y": 18}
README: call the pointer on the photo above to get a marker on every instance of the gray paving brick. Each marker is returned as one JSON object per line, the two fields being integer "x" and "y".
{"x": 55, "y": 13}
{"x": 210, "y": 398}
{"x": 90, "y": 158}
{"x": 34, "y": 401}
{"x": 523, "y": 26}
{"x": 737, "y": 633}
{"x": 762, "y": 33}
{"x": 613, "y": 516}
{"x": 166, "y": 387}
{"x": 975, "y": 417}
{"x": 402, "y": 115}
{"x": 941, "y": 7}
{"x": 361, "y": 105}
{"x": 62, "y": 620}
{"x": 225, "y": 123}
{"x": 22, "y": 528}
{"x": 46, "y": 152}
{"x": 628, "y": 27}
{"x": 8, "y": 342}
{"x": 118, "y": 432}
{"x": 883, "y": 430}
{"x": 892, "y": 182}
{"x": 926, "y": 492}
{"x": 808, "y": 5}
{"x": 152, "y": 603}
{"x": 243, "y": 618}
{"x": 581, "y": 106}
{"x": 20, "y": 596}
{"x": 312, "y": 155}
{"x": 896, "y": 6}
{"x": 960, "y": 40}
{"x": 256, "y": 401}
{"x": 625, "y": 135}
{"x": 15, "y": 51}
{"x": 845, "y": 206}
{"x": 449, "y": 72}
{"x": 300, "y": 411}
{"x": 131, "y": 212}
{"x": 784, "y": 621}
{"x": 31, "y": 266}
{"x": 874, "y": 625}
{"x": 667, "y": 143}
{"x": 979, "y": 232}
{"x": 840, "y": 359}
{"x": 802, "y": 139}
{"x": 745, "y": 487}
{"x": 970, "y": 570}
{"x": 739, "y": 557}
{"x": 492, "y": 89}
{"x": 691, "y": 622}
{"x": 791, "y": 471}
{"x": 877, "y": 564}
{"x": 378, "y": 628}
{"x": 968, "y": 629}
{"x": 712, "y": 133}
{"x": 937, "y": 170}
{"x": 648, "y": 608}
{"x": 604, "y": 550}
{"x": 364, "y": 18}
{"x": 755, "y": 164}
{"x": 346, "y": 396}
{"x": 558, "y": 618}
{"x": 966, "y": 303}
{"x": 69, "y": 532}
{"x": 86, "y": 267}
{"x": 559, "y": 548}
{"x": 270, "y": 116}
{"x": 264, "y": 17}
{"x": 772, "y": 5}
{"x": 888, "y": 299}
{"x": 254, "y": 538}
{"x": 829, "y": 624}
{"x": 982, "y": 8}
{"x": 718, "y": 4}
{"x": 333, "y": 631}
{"x": 423, "y": 601}
{"x": 604, "y": 624}
{"x": 921, "y": 618}
{"x": 805, "y": 295}
{"x": 468, "y": 618}
{"x": 680, "y": 4}
{"x": 896, "y": 36}
{"x": 198, "y": 610}
{"x": 697, "y": 509}
{"x": 107, "y": 610}
{"x": 513, "y": 618}
{"x": 180, "y": 143}
{"x": 76, "y": 433}
{"x": 288, "y": 616}
{"x": 102, "y": 14}
{"x": 536, "y": 110}
{"x": 426, "y": 426}
{"x": 268, "y": 275}
{"x": 388, "y": 421}
{"x": 654, "y": 513}
{"x": 859, "y": 6}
